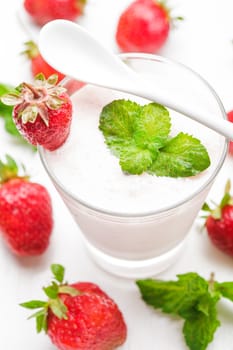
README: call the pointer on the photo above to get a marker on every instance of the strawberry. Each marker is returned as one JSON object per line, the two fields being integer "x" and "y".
{"x": 79, "y": 315}
{"x": 38, "y": 64}
{"x": 42, "y": 112}
{"x": 43, "y": 11}
{"x": 219, "y": 223}
{"x": 230, "y": 118}
{"x": 26, "y": 220}
{"x": 144, "y": 26}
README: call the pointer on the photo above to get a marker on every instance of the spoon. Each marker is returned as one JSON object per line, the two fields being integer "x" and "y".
{"x": 70, "y": 49}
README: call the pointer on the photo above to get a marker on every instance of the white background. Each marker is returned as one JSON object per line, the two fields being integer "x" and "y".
{"x": 202, "y": 41}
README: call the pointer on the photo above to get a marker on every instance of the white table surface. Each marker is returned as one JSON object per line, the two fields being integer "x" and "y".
{"x": 204, "y": 42}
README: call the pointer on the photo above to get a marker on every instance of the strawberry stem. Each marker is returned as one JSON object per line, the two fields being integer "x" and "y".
{"x": 36, "y": 92}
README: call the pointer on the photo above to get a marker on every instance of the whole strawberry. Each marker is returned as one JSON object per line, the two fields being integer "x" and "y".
{"x": 43, "y": 11}
{"x": 26, "y": 220}
{"x": 219, "y": 222}
{"x": 230, "y": 118}
{"x": 42, "y": 112}
{"x": 78, "y": 316}
{"x": 144, "y": 26}
{"x": 38, "y": 64}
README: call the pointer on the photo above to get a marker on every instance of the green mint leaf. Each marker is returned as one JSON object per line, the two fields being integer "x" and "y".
{"x": 191, "y": 297}
{"x": 58, "y": 272}
{"x": 199, "y": 327}
{"x": 203, "y": 304}
{"x": 226, "y": 289}
{"x": 33, "y": 304}
{"x": 134, "y": 160}
{"x": 174, "y": 297}
{"x": 10, "y": 126}
{"x": 6, "y": 111}
{"x": 5, "y": 88}
{"x": 182, "y": 156}
{"x": 138, "y": 134}
{"x": 117, "y": 144}
{"x": 152, "y": 126}
{"x": 117, "y": 124}
{"x": 117, "y": 119}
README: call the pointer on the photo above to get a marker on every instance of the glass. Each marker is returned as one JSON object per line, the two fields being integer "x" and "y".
{"x": 144, "y": 243}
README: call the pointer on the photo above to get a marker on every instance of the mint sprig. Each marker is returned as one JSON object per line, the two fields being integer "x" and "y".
{"x": 193, "y": 299}
{"x": 182, "y": 156}
{"x": 139, "y": 137}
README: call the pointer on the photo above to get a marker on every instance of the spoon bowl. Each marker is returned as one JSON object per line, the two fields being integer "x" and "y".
{"x": 72, "y": 50}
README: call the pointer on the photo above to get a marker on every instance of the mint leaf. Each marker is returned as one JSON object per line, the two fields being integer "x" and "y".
{"x": 117, "y": 124}
{"x": 174, "y": 297}
{"x": 6, "y": 111}
{"x": 152, "y": 126}
{"x": 199, "y": 327}
{"x": 182, "y": 156}
{"x": 118, "y": 119}
{"x": 134, "y": 160}
{"x": 226, "y": 289}
{"x": 192, "y": 298}
{"x": 139, "y": 136}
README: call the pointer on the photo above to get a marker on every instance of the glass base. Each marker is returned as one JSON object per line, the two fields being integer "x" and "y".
{"x": 135, "y": 268}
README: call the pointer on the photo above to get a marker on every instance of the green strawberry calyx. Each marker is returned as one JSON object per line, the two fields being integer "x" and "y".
{"x": 31, "y": 49}
{"x": 35, "y": 100}
{"x": 171, "y": 19}
{"x": 10, "y": 170}
{"x": 54, "y": 303}
{"x": 81, "y": 5}
{"x": 227, "y": 199}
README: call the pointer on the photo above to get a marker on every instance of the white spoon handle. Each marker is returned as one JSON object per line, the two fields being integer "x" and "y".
{"x": 222, "y": 126}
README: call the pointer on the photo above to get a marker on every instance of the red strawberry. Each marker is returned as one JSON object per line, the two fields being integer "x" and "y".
{"x": 219, "y": 223}
{"x": 78, "y": 316}
{"x": 43, "y": 11}
{"x": 42, "y": 112}
{"x": 38, "y": 64}
{"x": 144, "y": 26}
{"x": 230, "y": 118}
{"x": 25, "y": 212}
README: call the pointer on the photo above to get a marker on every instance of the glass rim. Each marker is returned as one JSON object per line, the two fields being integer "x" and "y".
{"x": 165, "y": 209}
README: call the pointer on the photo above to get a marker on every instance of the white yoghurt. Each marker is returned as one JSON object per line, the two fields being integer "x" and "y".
{"x": 87, "y": 168}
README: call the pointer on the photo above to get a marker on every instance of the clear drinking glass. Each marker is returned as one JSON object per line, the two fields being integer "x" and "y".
{"x": 144, "y": 243}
